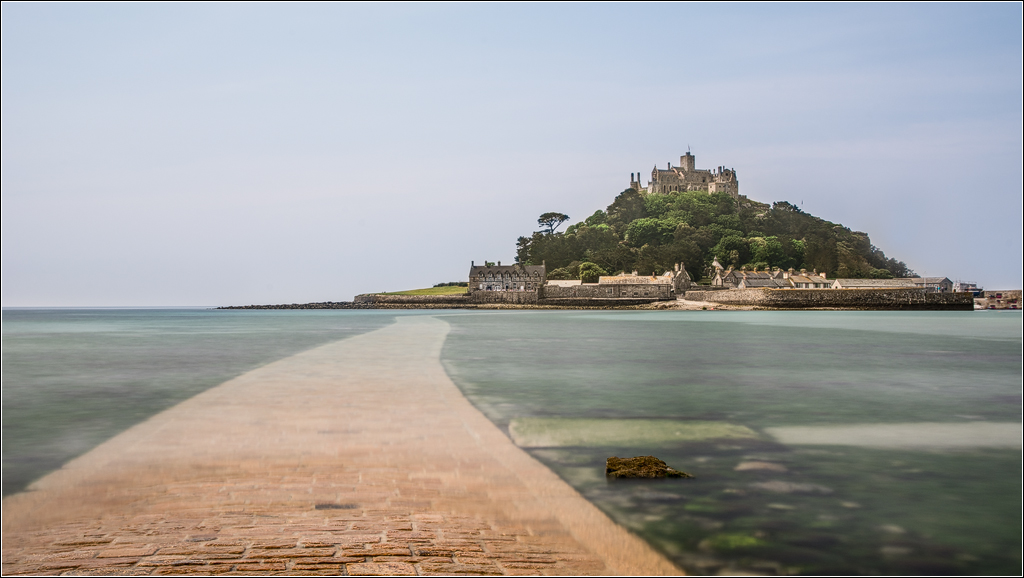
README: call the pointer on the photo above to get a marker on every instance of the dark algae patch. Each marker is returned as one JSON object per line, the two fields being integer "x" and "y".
{"x": 640, "y": 467}
{"x": 567, "y": 385}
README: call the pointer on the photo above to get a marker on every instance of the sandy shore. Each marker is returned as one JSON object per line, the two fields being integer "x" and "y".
{"x": 357, "y": 457}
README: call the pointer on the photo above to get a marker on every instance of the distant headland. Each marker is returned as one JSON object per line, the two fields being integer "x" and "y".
{"x": 689, "y": 237}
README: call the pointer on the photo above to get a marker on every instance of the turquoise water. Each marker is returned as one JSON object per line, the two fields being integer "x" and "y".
{"x": 576, "y": 387}
{"x": 72, "y": 378}
{"x": 930, "y": 504}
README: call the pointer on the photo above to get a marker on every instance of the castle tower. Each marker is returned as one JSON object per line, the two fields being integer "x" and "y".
{"x": 687, "y": 162}
{"x": 634, "y": 182}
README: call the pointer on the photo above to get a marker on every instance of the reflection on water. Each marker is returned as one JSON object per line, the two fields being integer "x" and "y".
{"x": 885, "y": 443}
{"x": 819, "y": 444}
{"x": 73, "y": 378}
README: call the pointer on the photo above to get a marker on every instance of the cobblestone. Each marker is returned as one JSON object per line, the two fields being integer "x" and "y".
{"x": 359, "y": 457}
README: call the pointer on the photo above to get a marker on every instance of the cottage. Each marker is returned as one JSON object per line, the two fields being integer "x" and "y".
{"x": 805, "y": 280}
{"x": 632, "y": 286}
{"x": 506, "y": 277}
{"x": 732, "y": 278}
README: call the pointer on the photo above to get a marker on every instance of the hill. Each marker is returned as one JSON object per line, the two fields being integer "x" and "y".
{"x": 649, "y": 233}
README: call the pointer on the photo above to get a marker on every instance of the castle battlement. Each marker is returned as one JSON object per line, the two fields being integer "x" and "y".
{"x": 686, "y": 177}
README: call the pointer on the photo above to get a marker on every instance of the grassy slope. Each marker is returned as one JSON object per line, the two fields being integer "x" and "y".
{"x": 430, "y": 291}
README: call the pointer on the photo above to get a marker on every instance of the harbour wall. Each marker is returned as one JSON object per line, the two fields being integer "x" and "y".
{"x": 494, "y": 298}
{"x": 892, "y": 299}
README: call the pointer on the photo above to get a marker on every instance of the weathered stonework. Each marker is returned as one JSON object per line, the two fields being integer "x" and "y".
{"x": 506, "y": 278}
{"x": 686, "y": 177}
{"x": 378, "y": 299}
{"x": 838, "y": 298}
{"x": 647, "y": 292}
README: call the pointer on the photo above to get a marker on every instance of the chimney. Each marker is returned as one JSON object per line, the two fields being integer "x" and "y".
{"x": 634, "y": 273}
{"x": 471, "y": 264}
{"x": 499, "y": 263}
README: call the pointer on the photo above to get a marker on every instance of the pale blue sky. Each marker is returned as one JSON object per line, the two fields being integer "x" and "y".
{"x": 209, "y": 154}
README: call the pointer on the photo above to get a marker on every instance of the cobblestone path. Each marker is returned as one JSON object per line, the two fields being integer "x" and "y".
{"x": 359, "y": 457}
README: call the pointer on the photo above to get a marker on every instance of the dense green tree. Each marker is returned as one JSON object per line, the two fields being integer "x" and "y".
{"x": 643, "y": 231}
{"x": 651, "y": 233}
{"x": 768, "y": 250}
{"x": 590, "y": 272}
{"x": 626, "y": 208}
{"x": 732, "y": 250}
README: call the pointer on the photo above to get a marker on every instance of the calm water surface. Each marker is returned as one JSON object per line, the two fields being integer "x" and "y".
{"x": 926, "y": 504}
{"x": 577, "y": 387}
{"x": 73, "y": 378}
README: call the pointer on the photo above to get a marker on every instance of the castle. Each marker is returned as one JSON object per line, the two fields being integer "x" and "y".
{"x": 687, "y": 178}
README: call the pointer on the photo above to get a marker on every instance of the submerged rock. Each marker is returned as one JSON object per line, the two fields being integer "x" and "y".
{"x": 641, "y": 467}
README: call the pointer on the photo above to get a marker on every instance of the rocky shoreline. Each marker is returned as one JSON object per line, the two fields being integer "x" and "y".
{"x": 321, "y": 305}
{"x": 742, "y": 299}
{"x": 361, "y": 305}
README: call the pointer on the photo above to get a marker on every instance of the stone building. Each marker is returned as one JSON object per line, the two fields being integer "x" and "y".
{"x": 770, "y": 283}
{"x": 732, "y": 278}
{"x": 873, "y": 284}
{"x": 506, "y": 277}
{"x": 805, "y": 280}
{"x": 776, "y": 278}
{"x": 939, "y": 284}
{"x": 741, "y": 278}
{"x": 967, "y": 287}
{"x": 686, "y": 177}
{"x": 633, "y": 286}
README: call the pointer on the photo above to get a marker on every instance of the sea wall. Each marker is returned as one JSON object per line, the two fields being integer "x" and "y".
{"x": 514, "y": 297}
{"x": 476, "y": 297}
{"x": 601, "y": 303}
{"x": 838, "y": 298}
{"x": 484, "y": 298}
{"x": 618, "y": 291}
{"x": 379, "y": 299}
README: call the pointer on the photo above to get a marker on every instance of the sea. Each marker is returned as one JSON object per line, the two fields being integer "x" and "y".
{"x": 820, "y": 442}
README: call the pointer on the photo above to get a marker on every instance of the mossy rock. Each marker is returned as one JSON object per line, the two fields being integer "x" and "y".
{"x": 641, "y": 467}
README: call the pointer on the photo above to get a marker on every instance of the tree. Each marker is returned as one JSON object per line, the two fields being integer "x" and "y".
{"x": 643, "y": 231}
{"x": 768, "y": 250}
{"x": 551, "y": 221}
{"x": 590, "y": 272}
{"x": 626, "y": 208}
{"x": 651, "y": 233}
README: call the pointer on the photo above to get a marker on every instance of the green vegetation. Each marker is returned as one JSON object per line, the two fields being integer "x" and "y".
{"x": 551, "y": 221}
{"x": 440, "y": 290}
{"x": 651, "y": 233}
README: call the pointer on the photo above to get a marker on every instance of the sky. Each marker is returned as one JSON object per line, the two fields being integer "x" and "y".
{"x": 230, "y": 154}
